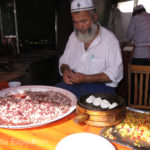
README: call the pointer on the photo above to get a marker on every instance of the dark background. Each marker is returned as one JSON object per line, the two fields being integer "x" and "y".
{"x": 43, "y": 30}
{"x": 36, "y": 19}
{"x": 42, "y": 24}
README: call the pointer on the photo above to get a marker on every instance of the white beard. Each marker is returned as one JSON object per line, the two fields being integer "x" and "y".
{"x": 89, "y": 35}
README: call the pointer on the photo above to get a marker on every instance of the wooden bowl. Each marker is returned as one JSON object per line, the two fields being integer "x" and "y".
{"x": 97, "y": 116}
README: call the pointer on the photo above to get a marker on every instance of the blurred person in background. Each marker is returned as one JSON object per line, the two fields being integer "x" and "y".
{"x": 138, "y": 31}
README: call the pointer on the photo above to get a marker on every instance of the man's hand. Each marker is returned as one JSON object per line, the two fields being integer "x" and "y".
{"x": 67, "y": 76}
{"x": 70, "y": 77}
{"x": 77, "y": 78}
{"x": 67, "y": 73}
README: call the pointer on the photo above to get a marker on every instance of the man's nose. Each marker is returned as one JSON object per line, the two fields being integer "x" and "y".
{"x": 79, "y": 26}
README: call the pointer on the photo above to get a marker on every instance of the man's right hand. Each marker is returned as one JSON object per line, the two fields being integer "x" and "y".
{"x": 67, "y": 73}
{"x": 67, "y": 76}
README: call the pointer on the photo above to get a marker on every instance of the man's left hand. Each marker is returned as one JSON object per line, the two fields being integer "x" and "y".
{"x": 78, "y": 78}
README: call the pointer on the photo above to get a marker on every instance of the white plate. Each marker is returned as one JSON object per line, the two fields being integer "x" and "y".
{"x": 84, "y": 141}
{"x": 39, "y": 88}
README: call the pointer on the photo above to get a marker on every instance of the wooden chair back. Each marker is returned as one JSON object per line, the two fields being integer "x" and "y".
{"x": 139, "y": 86}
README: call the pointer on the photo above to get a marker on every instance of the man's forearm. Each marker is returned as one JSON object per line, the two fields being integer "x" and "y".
{"x": 82, "y": 78}
{"x": 99, "y": 78}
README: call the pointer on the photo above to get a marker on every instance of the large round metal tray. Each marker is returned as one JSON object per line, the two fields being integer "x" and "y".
{"x": 39, "y": 88}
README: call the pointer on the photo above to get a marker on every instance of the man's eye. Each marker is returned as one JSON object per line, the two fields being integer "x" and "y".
{"x": 75, "y": 23}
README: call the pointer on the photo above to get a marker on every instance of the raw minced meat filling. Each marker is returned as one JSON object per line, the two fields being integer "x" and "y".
{"x": 31, "y": 107}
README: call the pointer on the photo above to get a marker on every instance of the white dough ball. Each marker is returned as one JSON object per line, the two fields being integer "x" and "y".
{"x": 113, "y": 105}
{"x": 97, "y": 101}
{"x": 90, "y": 99}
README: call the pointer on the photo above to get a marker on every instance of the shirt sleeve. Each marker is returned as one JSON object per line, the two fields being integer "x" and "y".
{"x": 114, "y": 64}
{"x": 64, "y": 59}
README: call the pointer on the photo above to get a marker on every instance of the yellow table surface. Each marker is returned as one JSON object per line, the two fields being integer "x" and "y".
{"x": 45, "y": 137}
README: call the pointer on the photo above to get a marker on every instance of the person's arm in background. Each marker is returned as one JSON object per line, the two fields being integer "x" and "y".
{"x": 129, "y": 34}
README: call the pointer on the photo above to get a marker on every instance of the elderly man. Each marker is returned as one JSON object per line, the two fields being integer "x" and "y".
{"x": 139, "y": 32}
{"x": 92, "y": 59}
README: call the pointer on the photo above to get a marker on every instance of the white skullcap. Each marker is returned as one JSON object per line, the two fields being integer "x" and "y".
{"x": 81, "y": 5}
{"x": 138, "y": 7}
